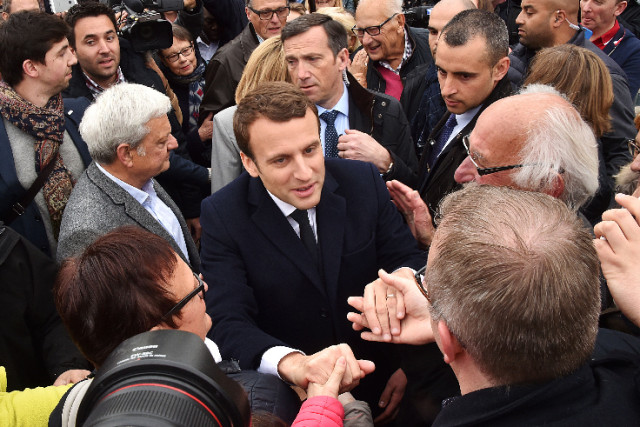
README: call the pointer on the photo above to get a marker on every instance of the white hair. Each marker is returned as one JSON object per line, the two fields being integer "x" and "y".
{"x": 390, "y": 6}
{"x": 119, "y": 116}
{"x": 559, "y": 141}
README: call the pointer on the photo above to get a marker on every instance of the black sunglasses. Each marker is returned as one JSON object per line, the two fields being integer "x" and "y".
{"x": 176, "y": 308}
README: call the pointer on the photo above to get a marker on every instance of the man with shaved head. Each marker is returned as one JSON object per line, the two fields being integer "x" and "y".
{"x": 548, "y": 23}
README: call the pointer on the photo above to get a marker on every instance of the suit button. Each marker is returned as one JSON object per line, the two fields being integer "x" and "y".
{"x": 324, "y": 313}
{"x": 379, "y": 116}
{"x": 384, "y": 103}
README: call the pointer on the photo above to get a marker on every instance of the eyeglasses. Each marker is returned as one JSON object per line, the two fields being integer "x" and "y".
{"x": 420, "y": 282}
{"x": 267, "y": 14}
{"x": 176, "y": 308}
{"x": 634, "y": 147}
{"x": 374, "y": 30}
{"x": 486, "y": 171}
{"x": 184, "y": 52}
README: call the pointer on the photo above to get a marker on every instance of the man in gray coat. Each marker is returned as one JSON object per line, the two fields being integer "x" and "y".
{"x": 130, "y": 140}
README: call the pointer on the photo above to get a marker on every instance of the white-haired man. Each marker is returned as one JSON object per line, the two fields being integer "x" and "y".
{"x": 118, "y": 186}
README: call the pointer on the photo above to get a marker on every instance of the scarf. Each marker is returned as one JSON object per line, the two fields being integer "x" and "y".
{"x": 46, "y": 125}
{"x": 195, "y": 81}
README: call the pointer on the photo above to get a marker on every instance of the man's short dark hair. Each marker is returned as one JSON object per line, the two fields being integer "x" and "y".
{"x": 87, "y": 10}
{"x": 336, "y": 33}
{"x": 115, "y": 289}
{"x": 275, "y": 101}
{"x": 469, "y": 24}
{"x": 27, "y": 35}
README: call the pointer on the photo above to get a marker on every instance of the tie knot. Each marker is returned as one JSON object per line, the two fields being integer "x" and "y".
{"x": 300, "y": 216}
{"x": 329, "y": 116}
{"x": 451, "y": 121}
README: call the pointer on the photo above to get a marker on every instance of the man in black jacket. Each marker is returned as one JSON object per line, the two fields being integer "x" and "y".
{"x": 365, "y": 126}
{"x": 399, "y": 55}
{"x": 104, "y": 59}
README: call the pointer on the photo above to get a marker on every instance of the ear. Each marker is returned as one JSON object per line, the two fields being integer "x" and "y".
{"x": 249, "y": 165}
{"x": 501, "y": 68}
{"x": 30, "y": 68}
{"x": 558, "y": 18}
{"x": 449, "y": 344}
{"x": 5, "y": 16}
{"x": 248, "y": 12}
{"x": 558, "y": 186}
{"x": 401, "y": 20}
{"x": 125, "y": 155}
{"x": 620, "y": 7}
{"x": 343, "y": 59}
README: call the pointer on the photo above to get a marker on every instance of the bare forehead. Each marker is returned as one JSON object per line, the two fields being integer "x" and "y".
{"x": 267, "y": 4}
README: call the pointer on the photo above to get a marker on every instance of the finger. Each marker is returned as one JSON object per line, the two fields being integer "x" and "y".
{"x": 618, "y": 231}
{"x": 353, "y": 368}
{"x": 392, "y": 306}
{"x": 359, "y": 322}
{"x": 366, "y": 367}
{"x": 356, "y": 302}
{"x": 333, "y": 383}
{"x": 382, "y": 309}
{"x": 386, "y": 395}
{"x": 399, "y": 283}
{"x": 369, "y": 309}
{"x": 632, "y": 204}
{"x": 209, "y": 117}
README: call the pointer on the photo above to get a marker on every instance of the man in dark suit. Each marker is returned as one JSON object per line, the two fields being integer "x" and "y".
{"x": 118, "y": 187}
{"x": 354, "y": 123}
{"x": 285, "y": 244}
{"x": 472, "y": 62}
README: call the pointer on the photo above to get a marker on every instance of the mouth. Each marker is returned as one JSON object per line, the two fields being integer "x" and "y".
{"x": 451, "y": 102}
{"x": 306, "y": 191}
{"x": 106, "y": 62}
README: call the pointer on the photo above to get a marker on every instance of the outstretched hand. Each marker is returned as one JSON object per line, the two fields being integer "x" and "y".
{"x": 415, "y": 211}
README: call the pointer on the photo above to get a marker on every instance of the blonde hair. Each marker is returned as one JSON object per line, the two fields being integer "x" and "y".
{"x": 582, "y": 77}
{"x": 347, "y": 21}
{"x": 266, "y": 64}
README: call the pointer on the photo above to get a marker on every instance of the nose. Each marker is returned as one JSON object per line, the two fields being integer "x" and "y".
{"x": 302, "y": 72}
{"x": 172, "y": 143}
{"x": 103, "y": 47}
{"x": 275, "y": 19}
{"x": 73, "y": 60}
{"x": 366, "y": 39}
{"x": 635, "y": 164}
{"x": 466, "y": 172}
{"x": 447, "y": 86}
{"x": 585, "y": 5}
{"x": 302, "y": 170}
{"x": 519, "y": 20}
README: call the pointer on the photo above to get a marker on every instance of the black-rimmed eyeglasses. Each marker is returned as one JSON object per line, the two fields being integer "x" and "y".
{"x": 373, "y": 30}
{"x": 486, "y": 171}
{"x": 176, "y": 308}
{"x": 634, "y": 147}
{"x": 184, "y": 52}
{"x": 267, "y": 14}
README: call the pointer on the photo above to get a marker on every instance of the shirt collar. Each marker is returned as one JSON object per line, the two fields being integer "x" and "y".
{"x": 140, "y": 195}
{"x": 95, "y": 88}
{"x": 604, "y": 39}
{"x": 343, "y": 103}
{"x": 408, "y": 51}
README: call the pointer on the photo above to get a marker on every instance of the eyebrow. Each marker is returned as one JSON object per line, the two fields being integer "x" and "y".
{"x": 63, "y": 48}
{"x": 88, "y": 36}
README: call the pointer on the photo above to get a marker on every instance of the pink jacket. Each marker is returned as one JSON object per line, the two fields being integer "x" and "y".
{"x": 320, "y": 411}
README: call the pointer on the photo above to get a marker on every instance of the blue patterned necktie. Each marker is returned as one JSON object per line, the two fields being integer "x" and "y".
{"x": 445, "y": 133}
{"x": 330, "y": 133}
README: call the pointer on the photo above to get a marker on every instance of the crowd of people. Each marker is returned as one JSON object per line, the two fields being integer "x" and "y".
{"x": 366, "y": 222}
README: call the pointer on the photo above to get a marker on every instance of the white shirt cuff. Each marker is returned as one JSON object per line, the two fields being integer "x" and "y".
{"x": 272, "y": 357}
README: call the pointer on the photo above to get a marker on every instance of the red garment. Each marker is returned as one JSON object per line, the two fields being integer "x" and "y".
{"x": 320, "y": 411}
{"x": 394, "y": 82}
{"x": 602, "y": 41}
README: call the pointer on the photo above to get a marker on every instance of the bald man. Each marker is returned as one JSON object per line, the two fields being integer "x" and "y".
{"x": 13, "y": 6}
{"x": 547, "y": 23}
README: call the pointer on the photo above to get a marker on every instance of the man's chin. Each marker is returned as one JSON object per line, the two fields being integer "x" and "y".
{"x": 627, "y": 181}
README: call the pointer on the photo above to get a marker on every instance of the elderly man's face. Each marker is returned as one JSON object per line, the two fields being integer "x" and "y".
{"x": 492, "y": 143}
{"x": 266, "y": 28}
{"x": 152, "y": 156}
{"x": 389, "y": 44}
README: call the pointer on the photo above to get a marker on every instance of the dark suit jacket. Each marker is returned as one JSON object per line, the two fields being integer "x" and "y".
{"x": 437, "y": 182}
{"x": 381, "y": 116}
{"x": 264, "y": 288}
{"x": 30, "y": 223}
{"x": 98, "y": 205}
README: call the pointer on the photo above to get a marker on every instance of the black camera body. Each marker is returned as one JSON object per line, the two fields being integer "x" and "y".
{"x": 163, "y": 378}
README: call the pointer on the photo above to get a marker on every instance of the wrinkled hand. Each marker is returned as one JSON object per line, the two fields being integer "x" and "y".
{"x": 391, "y": 397}
{"x": 414, "y": 210}
{"x": 71, "y": 376}
{"x": 383, "y": 306}
{"x": 358, "y": 67}
{"x": 331, "y": 387}
{"x": 620, "y": 254}
{"x": 356, "y": 145}
{"x": 415, "y": 326}
{"x": 205, "y": 131}
{"x": 301, "y": 370}
{"x": 193, "y": 224}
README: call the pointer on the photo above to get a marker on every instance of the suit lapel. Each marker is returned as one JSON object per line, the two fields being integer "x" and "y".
{"x": 276, "y": 228}
{"x": 330, "y": 215}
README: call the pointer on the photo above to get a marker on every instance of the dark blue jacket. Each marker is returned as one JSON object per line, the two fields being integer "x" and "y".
{"x": 30, "y": 223}
{"x": 624, "y": 48}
